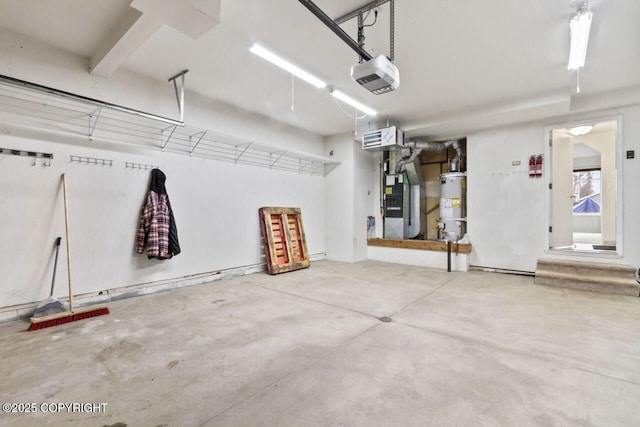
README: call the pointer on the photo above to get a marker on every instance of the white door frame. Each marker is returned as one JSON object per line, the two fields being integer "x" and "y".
{"x": 619, "y": 185}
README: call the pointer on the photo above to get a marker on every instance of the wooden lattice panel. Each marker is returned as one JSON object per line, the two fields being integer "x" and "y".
{"x": 284, "y": 239}
{"x": 280, "y": 242}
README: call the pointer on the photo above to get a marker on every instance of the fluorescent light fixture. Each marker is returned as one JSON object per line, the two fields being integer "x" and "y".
{"x": 580, "y": 130}
{"x": 579, "y": 26}
{"x": 287, "y": 66}
{"x": 342, "y": 97}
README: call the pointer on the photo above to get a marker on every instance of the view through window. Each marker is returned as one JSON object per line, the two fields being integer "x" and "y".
{"x": 586, "y": 191}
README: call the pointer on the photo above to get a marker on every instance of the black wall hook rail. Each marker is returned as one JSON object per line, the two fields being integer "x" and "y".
{"x": 11, "y": 151}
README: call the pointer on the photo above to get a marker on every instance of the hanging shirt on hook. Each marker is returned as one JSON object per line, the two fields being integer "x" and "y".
{"x": 157, "y": 231}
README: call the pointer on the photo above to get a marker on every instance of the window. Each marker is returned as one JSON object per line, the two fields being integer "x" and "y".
{"x": 586, "y": 191}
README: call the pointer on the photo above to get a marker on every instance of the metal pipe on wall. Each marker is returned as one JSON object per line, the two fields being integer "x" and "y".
{"x": 418, "y": 146}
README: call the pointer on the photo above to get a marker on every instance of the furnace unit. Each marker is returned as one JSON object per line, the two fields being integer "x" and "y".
{"x": 401, "y": 208}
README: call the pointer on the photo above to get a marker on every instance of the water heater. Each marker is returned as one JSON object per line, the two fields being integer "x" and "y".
{"x": 452, "y": 224}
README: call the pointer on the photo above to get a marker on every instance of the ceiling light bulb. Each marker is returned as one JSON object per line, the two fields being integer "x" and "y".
{"x": 580, "y": 130}
{"x": 347, "y": 99}
{"x": 287, "y": 66}
{"x": 579, "y": 26}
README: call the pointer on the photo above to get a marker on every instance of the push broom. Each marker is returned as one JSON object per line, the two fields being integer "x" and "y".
{"x": 51, "y": 305}
{"x": 71, "y": 315}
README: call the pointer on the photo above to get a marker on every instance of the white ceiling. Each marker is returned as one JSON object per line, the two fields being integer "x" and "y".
{"x": 455, "y": 57}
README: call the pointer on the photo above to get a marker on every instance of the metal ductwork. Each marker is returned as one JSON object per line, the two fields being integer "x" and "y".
{"x": 452, "y": 220}
{"x": 417, "y": 146}
{"x": 402, "y": 163}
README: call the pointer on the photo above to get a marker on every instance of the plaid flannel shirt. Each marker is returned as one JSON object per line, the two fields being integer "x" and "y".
{"x": 153, "y": 229}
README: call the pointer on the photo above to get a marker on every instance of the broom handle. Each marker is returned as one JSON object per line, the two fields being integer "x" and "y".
{"x": 55, "y": 265}
{"x": 66, "y": 227}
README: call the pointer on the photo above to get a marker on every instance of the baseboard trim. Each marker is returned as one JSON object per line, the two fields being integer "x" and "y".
{"x": 22, "y": 311}
{"x": 501, "y": 270}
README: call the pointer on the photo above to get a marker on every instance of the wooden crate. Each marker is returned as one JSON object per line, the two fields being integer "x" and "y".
{"x": 284, "y": 240}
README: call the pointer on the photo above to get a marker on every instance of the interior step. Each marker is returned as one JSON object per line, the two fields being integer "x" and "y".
{"x": 607, "y": 278}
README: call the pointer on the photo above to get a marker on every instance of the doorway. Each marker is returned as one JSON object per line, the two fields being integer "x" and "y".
{"x": 584, "y": 193}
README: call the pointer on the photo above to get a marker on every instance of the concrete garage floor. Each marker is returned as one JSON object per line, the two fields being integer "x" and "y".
{"x": 307, "y": 349}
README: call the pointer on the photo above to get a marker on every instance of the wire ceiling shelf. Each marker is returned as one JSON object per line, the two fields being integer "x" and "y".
{"x": 60, "y": 112}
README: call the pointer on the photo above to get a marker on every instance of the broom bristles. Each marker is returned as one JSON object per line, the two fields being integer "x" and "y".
{"x": 66, "y": 317}
{"x": 48, "y": 307}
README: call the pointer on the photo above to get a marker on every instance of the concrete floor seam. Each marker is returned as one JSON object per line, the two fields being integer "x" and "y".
{"x": 300, "y": 369}
{"x": 318, "y": 301}
{"x": 233, "y": 405}
{"x": 512, "y": 351}
{"x": 423, "y": 297}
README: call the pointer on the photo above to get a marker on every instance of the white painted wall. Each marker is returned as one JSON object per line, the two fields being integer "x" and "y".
{"x": 377, "y": 201}
{"x": 505, "y": 208}
{"x": 630, "y": 133}
{"x": 587, "y": 223}
{"x": 508, "y": 211}
{"x": 422, "y": 258}
{"x": 364, "y": 197}
{"x": 338, "y": 199}
{"x": 215, "y": 203}
{"x": 349, "y": 199}
{"x": 586, "y": 162}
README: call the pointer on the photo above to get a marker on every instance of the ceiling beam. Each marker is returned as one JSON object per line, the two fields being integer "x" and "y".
{"x": 324, "y": 18}
{"x": 193, "y": 18}
{"x": 131, "y": 33}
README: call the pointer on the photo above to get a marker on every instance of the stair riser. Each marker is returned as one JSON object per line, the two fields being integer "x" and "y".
{"x": 593, "y": 272}
{"x": 605, "y": 278}
{"x": 616, "y": 289}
